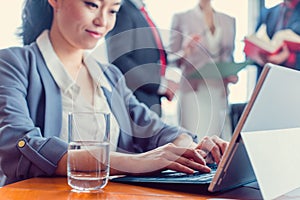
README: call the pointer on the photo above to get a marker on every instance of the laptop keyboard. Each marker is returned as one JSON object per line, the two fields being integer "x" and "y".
{"x": 170, "y": 176}
{"x": 197, "y": 176}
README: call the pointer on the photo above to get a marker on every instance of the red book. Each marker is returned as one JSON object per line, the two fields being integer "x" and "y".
{"x": 260, "y": 45}
{"x": 288, "y": 37}
{"x": 292, "y": 45}
{"x": 256, "y": 48}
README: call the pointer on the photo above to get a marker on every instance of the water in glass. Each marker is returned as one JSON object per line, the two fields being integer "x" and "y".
{"x": 92, "y": 171}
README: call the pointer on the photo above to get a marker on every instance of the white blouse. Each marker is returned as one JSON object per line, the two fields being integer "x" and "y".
{"x": 72, "y": 97}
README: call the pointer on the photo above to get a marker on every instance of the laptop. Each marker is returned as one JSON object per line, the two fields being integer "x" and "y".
{"x": 262, "y": 112}
{"x": 273, "y": 146}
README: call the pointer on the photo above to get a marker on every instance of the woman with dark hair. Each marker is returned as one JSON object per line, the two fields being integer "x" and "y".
{"x": 53, "y": 75}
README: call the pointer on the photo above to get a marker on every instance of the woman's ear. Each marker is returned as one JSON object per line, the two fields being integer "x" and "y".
{"x": 53, "y": 3}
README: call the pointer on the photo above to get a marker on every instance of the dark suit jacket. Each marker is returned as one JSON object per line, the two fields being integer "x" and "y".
{"x": 132, "y": 48}
{"x": 271, "y": 16}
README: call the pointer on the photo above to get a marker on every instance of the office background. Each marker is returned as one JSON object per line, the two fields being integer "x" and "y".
{"x": 245, "y": 12}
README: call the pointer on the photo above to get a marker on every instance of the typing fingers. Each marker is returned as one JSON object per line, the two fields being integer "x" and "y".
{"x": 222, "y": 144}
{"x": 186, "y": 160}
{"x": 214, "y": 147}
{"x": 188, "y": 166}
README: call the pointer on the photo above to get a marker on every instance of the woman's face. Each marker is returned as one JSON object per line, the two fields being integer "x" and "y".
{"x": 81, "y": 23}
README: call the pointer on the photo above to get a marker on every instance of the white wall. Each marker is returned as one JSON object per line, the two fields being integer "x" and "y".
{"x": 10, "y": 19}
{"x": 271, "y": 3}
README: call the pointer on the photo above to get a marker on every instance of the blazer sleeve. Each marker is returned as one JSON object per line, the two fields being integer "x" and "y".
{"x": 24, "y": 151}
{"x": 233, "y": 41}
{"x": 228, "y": 44}
{"x": 176, "y": 37}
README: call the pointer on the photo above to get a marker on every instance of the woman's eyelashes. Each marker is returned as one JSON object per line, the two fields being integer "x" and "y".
{"x": 94, "y": 5}
{"x": 91, "y": 4}
{"x": 114, "y": 11}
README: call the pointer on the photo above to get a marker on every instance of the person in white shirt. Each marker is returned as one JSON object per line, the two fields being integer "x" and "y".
{"x": 202, "y": 36}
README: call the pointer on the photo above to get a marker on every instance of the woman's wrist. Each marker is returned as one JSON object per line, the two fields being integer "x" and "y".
{"x": 122, "y": 164}
{"x": 185, "y": 140}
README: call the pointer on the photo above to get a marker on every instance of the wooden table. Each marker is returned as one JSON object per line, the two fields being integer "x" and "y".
{"x": 57, "y": 188}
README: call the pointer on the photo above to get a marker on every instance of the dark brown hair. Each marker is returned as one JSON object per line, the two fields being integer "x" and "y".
{"x": 37, "y": 16}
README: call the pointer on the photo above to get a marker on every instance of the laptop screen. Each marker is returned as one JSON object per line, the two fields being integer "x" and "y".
{"x": 235, "y": 168}
{"x": 274, "y": 104}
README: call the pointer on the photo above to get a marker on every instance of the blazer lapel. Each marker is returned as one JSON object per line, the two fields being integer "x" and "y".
{"x": 52, "y": 104}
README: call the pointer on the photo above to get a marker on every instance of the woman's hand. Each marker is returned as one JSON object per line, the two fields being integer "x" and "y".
{"x": 212, "y": 148}
{"x": 174, "y": 156}
{"x": 169, "y": 156}
{"x": 191, "y": 45}
{"x": 230, "y": 79}
{"x": 171, "y": 89}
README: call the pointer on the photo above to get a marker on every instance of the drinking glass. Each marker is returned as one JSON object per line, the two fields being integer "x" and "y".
{"x": 88, "y": 151}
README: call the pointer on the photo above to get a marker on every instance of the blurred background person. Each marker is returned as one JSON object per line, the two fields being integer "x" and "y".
{"x": 285, "y": 15}
{"x": 136, "y": 48}
{"x": 200, "y": 36}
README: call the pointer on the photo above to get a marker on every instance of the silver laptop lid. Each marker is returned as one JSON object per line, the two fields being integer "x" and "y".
{"x": 273, "y": 143}
{"x": 266, "y": 110}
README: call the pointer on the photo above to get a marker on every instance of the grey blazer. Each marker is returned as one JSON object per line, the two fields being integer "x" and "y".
{"x": 31, "y": 116}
